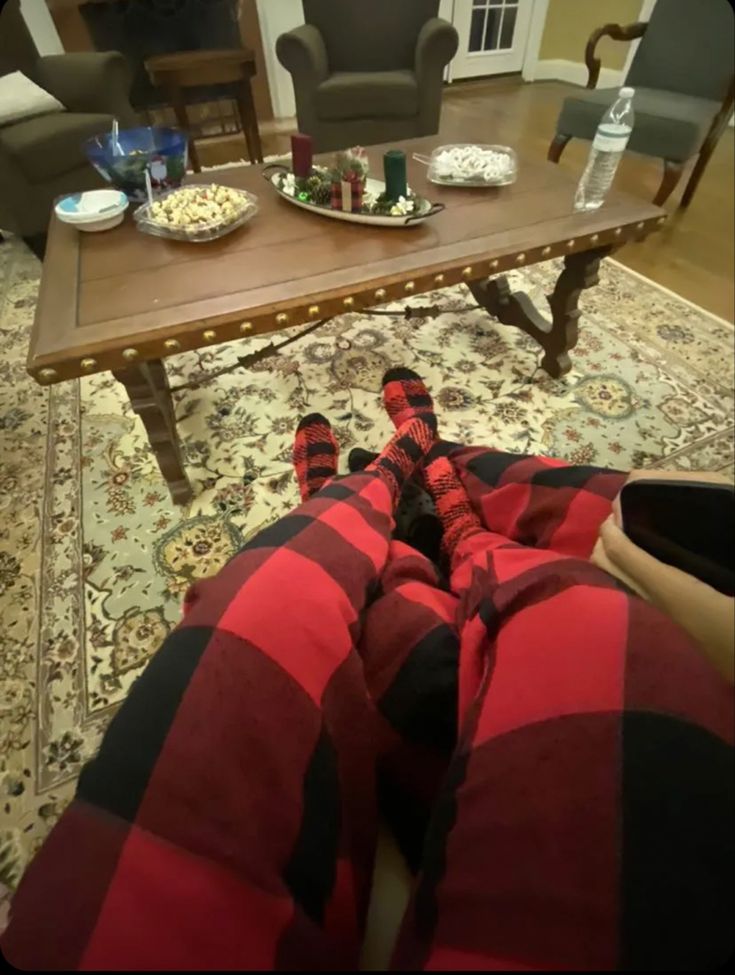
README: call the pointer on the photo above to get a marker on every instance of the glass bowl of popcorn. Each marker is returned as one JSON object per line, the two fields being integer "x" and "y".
{"x": 471, "y": 164}
{"x": 197, "y": 212}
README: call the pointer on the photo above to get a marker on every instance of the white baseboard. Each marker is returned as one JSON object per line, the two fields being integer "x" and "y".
{"x": 575, "y": 72}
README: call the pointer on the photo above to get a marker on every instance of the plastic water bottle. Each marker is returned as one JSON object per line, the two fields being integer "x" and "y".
{"x": 607, "y": 148}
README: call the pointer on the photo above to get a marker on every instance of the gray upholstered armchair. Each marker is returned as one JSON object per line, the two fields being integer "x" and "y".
{"x": 367, "y": 72}
{"x": 683, "y": 76}
{"x": 43, "y": 157}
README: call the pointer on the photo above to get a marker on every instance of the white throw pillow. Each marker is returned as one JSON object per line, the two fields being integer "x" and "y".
{"x": 20, "y": 98}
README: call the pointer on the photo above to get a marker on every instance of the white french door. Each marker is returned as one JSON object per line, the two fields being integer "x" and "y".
{"x": 492, "y": 36}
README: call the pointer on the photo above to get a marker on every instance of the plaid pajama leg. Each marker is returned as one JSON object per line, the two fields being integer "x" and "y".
{"x": 410, "y": 654}
{"x": 586, "y": 818}
{"x": 538, "y": 501}
{"x": 228, "y": 820}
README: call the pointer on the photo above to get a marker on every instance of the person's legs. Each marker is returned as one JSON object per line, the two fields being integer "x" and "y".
{"x": 586, "y": 818}
{"x": 228, "y": 820}
{"x": 410, "y": 654}
{"x": 315, "y": 454}
{"x": 542, "y": 502}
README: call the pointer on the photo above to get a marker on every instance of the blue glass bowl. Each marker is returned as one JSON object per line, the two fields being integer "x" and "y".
{"x": 162, "y": 151}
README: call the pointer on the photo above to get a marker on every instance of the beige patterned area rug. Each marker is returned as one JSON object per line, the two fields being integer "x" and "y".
{"x": 94, "y": 558}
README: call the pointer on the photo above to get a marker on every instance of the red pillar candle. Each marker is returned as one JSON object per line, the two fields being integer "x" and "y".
{"x": 301, "y": 154}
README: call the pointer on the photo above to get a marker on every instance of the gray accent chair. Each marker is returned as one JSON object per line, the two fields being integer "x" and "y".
{"x": 43, "y": 157}
{"x": 683, "y": 76}
{"x": 365, "y": 73}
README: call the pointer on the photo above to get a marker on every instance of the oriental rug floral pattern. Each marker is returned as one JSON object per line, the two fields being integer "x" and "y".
{"x": 95, "y": 559}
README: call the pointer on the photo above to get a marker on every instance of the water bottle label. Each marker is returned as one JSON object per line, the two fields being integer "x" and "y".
{"x": 611, "y": 138}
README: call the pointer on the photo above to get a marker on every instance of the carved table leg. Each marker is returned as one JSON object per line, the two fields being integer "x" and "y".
{"x": 558, "y": 336}
{"x": 147, "y": 387}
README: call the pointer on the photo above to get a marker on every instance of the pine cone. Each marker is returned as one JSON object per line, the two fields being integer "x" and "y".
{"x": 322, "y": 193}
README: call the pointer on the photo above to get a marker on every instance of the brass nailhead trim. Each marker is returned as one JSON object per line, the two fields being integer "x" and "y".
{"x": 618, "y": 231}
{"x": 520, "y": 258}
{"x": 661, "y": 220}
{"x": 380, "y": 294}
{"x": 594, "y": 238}
{"x": 88, "y": 363}
{"x": 466, "y": 272}
{"x": 640, "y": 226}
{"x": 172, "y": 345}
{"x": 313, "y": 311}
{"x": 409, "y": 286}
{"x": 210, "y": 335}
{"x": 281, "y": 318}
{"x": 571, "y": 243}
{"x": 130, "y": 354}
{"x": 494, "y": 264}
{"x": 546, "y": 251}
{"x": 438, "y": 279}
{"x": 246, "y": 327}
{"x": 348, "y": 302}
{"x": 47, "y": 374}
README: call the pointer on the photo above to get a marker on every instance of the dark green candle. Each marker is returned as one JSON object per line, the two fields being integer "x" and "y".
{"x": 394, "y": 167}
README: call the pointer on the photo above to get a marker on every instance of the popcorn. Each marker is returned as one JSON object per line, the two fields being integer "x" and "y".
{"x": 196, "y": 206}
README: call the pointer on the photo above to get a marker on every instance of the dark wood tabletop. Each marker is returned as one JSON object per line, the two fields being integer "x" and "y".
{"x": 121, "y": 296}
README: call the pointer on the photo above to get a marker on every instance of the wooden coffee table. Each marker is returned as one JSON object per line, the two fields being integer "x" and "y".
{"x": 122, "y": 301}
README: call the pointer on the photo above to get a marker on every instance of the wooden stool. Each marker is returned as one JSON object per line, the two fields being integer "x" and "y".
{"x": 189, "y": 69}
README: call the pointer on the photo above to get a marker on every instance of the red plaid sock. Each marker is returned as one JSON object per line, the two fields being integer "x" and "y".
{"x": 315, "y": 453}
{"x": 404, "y": 450}
{"x": 453, "y": 507}
{"x": 405, "y": 395}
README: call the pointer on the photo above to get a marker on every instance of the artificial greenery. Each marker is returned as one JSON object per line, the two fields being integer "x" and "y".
{"x": 383, "y": 203}
{"x": 317, "y": 188}
{"x": 351, "y": 164}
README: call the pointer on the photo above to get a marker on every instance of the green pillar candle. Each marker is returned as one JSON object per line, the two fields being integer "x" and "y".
{"x": 394, "y": 167}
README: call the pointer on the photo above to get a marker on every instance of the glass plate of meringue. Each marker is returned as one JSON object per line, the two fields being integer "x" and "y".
{"x": 471, "y": 164}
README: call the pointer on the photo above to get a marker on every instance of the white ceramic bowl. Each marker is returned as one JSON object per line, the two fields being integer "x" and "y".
{"x": 94, "y": 210}
{"x": 91, "y": 226}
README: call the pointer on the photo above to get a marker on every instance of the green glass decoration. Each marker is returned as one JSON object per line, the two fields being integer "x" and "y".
{"x": 394, "y": 167}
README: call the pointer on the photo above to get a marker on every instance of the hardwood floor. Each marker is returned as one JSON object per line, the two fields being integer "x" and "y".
{"x": 694, "y": 253}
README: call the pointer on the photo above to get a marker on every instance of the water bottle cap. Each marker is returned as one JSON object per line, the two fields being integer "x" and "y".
{"x": 627, "y": 92}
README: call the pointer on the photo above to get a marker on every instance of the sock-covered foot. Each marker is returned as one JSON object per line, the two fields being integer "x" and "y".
{"x": 453, "y": 506}
{"x": 406, "y": 448}
{"x": 315, "y": 454}
{"x": 358, "y": 459}
{"x": 405, "y": 396}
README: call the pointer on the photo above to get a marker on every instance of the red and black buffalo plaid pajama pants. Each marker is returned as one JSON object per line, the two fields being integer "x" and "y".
{"x": 569, "y": 750}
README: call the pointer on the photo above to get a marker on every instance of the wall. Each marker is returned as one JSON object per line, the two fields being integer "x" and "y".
{"x": 276, "y": 19}
{"x": 569, "y": 24}
{"x": 41, "y": 26}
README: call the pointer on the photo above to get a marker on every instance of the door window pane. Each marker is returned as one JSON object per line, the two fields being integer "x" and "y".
{"x": 492, "y": 29}
{"x": 477, "y": 25}
{"x": 509, "y": 25}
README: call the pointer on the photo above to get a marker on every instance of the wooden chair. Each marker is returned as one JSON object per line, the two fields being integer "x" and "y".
{"x": 191, "y": 69}
{"x": 683, "y": 76}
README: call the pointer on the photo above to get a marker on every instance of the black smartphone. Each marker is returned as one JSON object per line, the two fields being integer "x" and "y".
{"x": 687, "y": 524}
